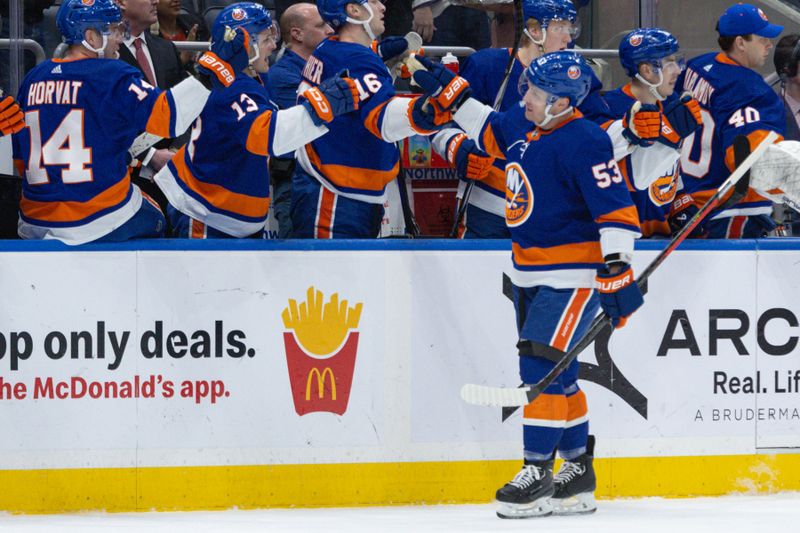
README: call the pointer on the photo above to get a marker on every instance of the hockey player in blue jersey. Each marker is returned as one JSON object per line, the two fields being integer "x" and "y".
{"x": 550, "y": 26}
{"x": 83, "y": 112}
{"x": 573, "y": 226}
{"x": 651, "y": 57}
{"x": 338, "y": 189}
{"x": 218, "y": 184}
{"x": 734, "y": 100}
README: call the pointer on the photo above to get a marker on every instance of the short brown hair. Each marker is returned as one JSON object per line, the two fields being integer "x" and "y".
{"x": 725, "y": 42}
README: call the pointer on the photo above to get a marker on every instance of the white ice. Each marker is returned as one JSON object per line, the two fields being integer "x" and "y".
{"x": 730, "y": 514}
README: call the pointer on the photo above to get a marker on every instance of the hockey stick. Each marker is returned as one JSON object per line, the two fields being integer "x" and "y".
{"x": 517, "y": 397}
{"x": 463, "y": 201}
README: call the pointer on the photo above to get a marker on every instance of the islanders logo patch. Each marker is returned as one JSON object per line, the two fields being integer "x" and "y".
{"x": 635, "y": 40}
{"x": 238, "y": 14}
{"x": 519, "y": 196}
{"x": 574, "y": 72}
{"x": 87, "y": 3}
{"x": 762, "y": 15}
{"x": 662, "y": 190}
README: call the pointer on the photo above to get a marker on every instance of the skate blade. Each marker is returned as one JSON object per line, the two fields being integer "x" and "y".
{"x": 536, "y": 508}
{"x": 583, "y": 503}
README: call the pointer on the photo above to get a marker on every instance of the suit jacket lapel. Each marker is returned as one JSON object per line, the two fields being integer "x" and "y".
{"x": 127, "y": 56}
{"x": 155, "y": 52}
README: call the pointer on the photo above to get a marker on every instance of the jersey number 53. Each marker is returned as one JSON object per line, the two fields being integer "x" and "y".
{"x": 606, "y": 174}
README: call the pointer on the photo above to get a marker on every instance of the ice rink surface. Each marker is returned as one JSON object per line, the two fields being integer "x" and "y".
{"x": 730, "y": 514}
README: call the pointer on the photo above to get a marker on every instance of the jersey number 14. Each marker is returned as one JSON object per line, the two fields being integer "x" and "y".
{"x": 64, "y": 147}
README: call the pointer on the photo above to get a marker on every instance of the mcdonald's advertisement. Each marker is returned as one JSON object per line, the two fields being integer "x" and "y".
{"x": 219, "y": 357}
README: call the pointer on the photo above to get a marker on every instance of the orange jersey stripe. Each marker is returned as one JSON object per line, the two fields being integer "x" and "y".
{"x": 496, "y": 179}
{"x": 626, "y": 215}
{"x": 579, "y": 252}
{"x": 371, "y": 122}
{"x": 490, "y": 144}
{"x": 566, "y": 328}
{"x": 219, "y": 196}
{"x": 19, "y": 164}
{"x": 158, "y": 123}
{"x": 755, "y": 138}
{"x": 655, "y": 227}
{"x": 353, "y": 177}
{"x": 258, "y": 137}
{"x": 74, "y": 211}
{"x": 327, "y": 201}
{"x": 702, "y": 197}
{"x": 547, "y": 407}
{"x": 576, "y": 405}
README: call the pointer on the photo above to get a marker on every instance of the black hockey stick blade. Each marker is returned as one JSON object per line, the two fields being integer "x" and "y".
{"x": 741, "y": 149}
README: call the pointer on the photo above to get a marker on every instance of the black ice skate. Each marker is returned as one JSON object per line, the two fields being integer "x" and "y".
{"x": 528, "y": 494}
{"x": 575, "y": 484}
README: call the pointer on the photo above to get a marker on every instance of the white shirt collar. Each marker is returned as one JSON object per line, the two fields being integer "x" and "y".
{"x": 129, "y": 41}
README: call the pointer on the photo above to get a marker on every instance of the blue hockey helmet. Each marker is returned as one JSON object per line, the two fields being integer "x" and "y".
{"x": 334, "y": 12}
{"x": 646, "y": 45}
{"x": 561, "y": 74}
{"x": 251, "y": 17}
{"x": 546, "y": 10}
{"x": 74, "y": 17}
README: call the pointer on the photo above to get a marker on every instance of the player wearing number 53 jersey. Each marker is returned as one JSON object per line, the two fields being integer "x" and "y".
{"x": 83, "y": 113}
{"x": 572, "y": 225}
{"x": 735, "y": 100}
{"x": 218, "y": 184}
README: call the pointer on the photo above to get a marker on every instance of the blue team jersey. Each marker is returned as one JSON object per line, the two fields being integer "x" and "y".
{"x": 563, "y": 187}
{"x": 353, "y": 160}
{"x": 221, "y": 177}
{"x": 283, "y": 79}
{"x": 484, "y": 70}
{"x": 735, "y": 100}
{"x": 82, "y": 116}
{"x": 652, "y": 204}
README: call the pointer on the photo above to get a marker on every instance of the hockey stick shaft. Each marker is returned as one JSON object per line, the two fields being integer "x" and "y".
{"x": 508, "y": 397}
{"x": 519, "y": 21}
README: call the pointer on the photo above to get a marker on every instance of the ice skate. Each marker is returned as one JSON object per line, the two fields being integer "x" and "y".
{"x": 528, "y": 494}
{"x": 575, "y": 484}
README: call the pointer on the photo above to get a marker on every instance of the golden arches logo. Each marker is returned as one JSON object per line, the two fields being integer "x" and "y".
{"x": 320, "y": 383}
{"x": 321, "y": 341}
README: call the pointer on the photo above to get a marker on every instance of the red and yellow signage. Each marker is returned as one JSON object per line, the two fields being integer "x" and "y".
{"x": 321, "y": 347}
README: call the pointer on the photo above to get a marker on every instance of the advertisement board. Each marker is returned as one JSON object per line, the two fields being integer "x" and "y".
{"x": 351, "y": 356}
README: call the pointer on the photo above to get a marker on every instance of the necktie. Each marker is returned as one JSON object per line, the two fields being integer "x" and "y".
{"x": 142, "y": 60}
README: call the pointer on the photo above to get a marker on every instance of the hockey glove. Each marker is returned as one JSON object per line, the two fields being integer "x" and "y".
{"x": 12, "y": 119}
{"x": 642, "y": 124}
{"x": 682, "y": 210}
{"x": 226, "y": 58}
{"x": 444, "y": 87}
{"x": 470, "y": 162}
{"x": 390, "y": 47}
{"x": 427, "y": 116}
{"x": 680, "y": 119}
{"x": 619, "y": 294}
{"x": 335, "y": 96}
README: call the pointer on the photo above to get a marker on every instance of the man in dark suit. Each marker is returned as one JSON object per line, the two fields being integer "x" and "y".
{"x": 159, "y": 61}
